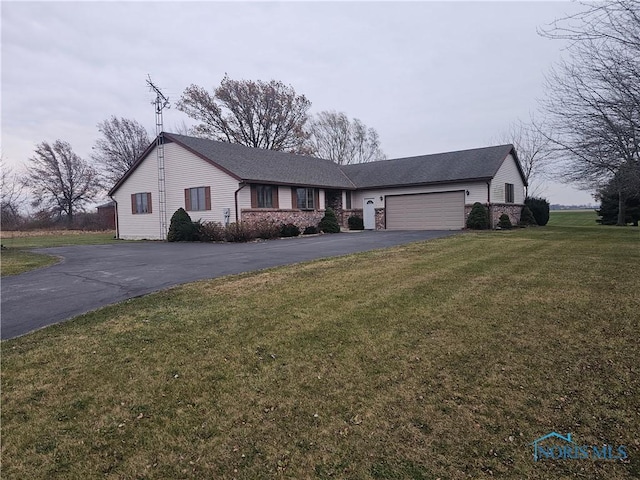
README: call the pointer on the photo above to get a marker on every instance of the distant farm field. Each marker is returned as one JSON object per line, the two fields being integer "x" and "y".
{"x": 440, "y": 359}
{"x": 572, "y": 218}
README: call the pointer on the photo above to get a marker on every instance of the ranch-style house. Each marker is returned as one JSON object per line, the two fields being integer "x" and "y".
{"x": 225, "y": 182}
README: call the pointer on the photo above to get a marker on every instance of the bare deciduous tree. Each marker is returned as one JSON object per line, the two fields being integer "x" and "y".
{"x": 123, "y": 141}
{"x": 533, "y": 149}
{"x": 594, "y": 97}
{"x": 11, "y": 196}
{"x": 60, "y": 179}
{"x": 258, "y": 114}
{"x": 344, "y": 141}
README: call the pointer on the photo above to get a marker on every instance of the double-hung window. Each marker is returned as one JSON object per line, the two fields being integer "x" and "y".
{"x": 264, "y": 196}
{"x": 198, "y": 198}
{"x": 305, "y": 198}
{"x": 141, "y": 203}
{"x": 509, "y": 196}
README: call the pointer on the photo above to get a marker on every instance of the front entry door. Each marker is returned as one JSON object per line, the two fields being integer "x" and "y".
{"x": 369, "y": 214}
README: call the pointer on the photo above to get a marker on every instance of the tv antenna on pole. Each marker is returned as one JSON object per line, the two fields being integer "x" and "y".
{"x": 161, "y": 102}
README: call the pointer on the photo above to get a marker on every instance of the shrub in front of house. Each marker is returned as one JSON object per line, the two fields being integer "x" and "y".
{"x": 211, "y": 232}
{"x": 355, "y": 222}
{"x": 265, "y": 229}
{"x": 478, "y": 218}
{"x": 239, "y": 232}
{"x": 505, "y": 222}
{"x": 526, "y": 217}
{"x": 181, "y": 228}
{"x": 289, "y": 230}
{"x": 329, "y": 223}
{"x": 540, "y": 209}
{"x": 310, "y": 230}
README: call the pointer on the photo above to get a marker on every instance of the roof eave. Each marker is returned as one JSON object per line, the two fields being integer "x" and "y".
{"x": 423, "y": 184}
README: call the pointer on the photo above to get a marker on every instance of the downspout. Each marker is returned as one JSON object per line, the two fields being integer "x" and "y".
{"x": 116, "y": 211}
{"x": 489, "y": 204}
{"x": 235, "y": 196}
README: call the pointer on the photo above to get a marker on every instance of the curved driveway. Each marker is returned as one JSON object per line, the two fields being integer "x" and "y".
{"x": 92, "y": 276}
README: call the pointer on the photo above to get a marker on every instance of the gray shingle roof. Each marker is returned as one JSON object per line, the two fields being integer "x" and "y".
{"x": 476, "y": 164}
{"x": 257, "y": 165}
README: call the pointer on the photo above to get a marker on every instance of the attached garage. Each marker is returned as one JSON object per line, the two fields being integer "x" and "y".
{"x": 425, "y": 211}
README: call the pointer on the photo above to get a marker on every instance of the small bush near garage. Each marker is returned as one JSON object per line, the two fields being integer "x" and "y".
{"x": 478, "y": 218}
{"x": 540, "y": 209}
{"x": 329, "y": 223}
{"x": 526, "y": 217}
{"x": 355, "y": 223}
{"x": 181, "y": 228}
{"x": 505, "y": 222}
{"x": 310, "y": 230}
{"x": 289, "y": 230}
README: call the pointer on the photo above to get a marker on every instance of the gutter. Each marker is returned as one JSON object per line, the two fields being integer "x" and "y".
{"x": 241, "y": 185}
{"x": 489, "y": 204}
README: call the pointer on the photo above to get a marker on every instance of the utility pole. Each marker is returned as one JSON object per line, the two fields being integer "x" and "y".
{"x": 161, "y": 102}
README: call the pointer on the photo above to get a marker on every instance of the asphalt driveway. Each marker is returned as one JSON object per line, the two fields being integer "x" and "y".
{"x": 92, "y": 276}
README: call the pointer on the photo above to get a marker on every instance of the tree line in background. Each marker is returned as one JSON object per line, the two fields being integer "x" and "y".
{"x": 269, "y": 115}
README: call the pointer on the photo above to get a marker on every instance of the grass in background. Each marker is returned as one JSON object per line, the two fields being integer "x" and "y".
{"x": 573, "y": 218}
{"x": 15, "y": 259}
{"x": 442, "y": 359}
{"x": 55, "y": 238}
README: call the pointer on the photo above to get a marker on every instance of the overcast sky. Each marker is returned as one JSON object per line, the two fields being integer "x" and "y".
{"x": 428, "y": 76}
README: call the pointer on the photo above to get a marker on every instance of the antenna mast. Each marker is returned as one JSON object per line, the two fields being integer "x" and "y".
{"x": 161, "y": 102}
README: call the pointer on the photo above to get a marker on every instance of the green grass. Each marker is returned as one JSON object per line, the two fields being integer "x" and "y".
{"x": 442, "y": 359}
{"x": 58, "y": 238}
{"x": 572, "y": 218}
{"x": 16, "y": 259}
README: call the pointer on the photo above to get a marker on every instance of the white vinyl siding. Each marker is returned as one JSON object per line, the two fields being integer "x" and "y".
{"x": 136, "y": 226}
{"x": 183, "y": 170}
{"x": 507, "y": 173}
{"x": 425, "y": 211}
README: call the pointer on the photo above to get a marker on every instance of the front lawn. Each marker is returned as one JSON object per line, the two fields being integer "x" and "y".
{"x": 15, "y": 257}
{"x": 441, "y": 359}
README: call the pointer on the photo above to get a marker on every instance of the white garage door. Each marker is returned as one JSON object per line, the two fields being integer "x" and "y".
{"x": 426, "y": 211}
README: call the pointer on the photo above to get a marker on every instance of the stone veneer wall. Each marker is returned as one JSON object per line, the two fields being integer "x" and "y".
{"x": 497, "y": 209}
{"x": 380, "y": 217}
{"x": 301, "y": 218}
{"x": 344, "y": 221}
{"x": 511, "y": 209}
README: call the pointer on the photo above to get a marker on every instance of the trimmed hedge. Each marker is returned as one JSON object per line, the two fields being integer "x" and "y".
{"x": 526, "y": 217}
{"x": 329, "y": 223}
{"x": 289, "y": 230}
{"x": 478, "y": 218}
{"x": 505, "y": 222}
{"x": 181, "y": 228}
{"x": 540, "y": 209}
{"x": 355, "y": 222}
